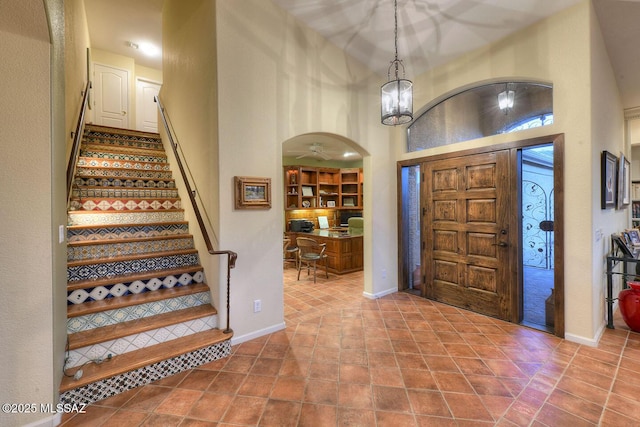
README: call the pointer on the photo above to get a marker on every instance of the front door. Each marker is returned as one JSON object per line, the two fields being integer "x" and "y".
{"x": 467, "y": 234}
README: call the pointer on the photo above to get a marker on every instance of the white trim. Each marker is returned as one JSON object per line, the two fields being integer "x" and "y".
{"x": 50, "y": 421}
{"x": 591, "y": 342}
{"x": 379, "y": 294}
{"x": 256, "y": 334}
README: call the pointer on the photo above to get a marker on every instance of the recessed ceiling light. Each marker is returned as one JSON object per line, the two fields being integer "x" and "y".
{"x": 149, "y": 49}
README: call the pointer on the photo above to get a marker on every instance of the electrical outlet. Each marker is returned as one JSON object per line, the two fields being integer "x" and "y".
{"x": 384, "y": 273}
{"x": 257, "y": 306}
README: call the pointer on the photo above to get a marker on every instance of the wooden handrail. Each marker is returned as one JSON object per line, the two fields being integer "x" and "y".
{"x": 77, "y": 138}
{"x": 231, "y": 256}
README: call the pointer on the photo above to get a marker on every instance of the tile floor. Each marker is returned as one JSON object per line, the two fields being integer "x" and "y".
{"x": 401, "y": 360}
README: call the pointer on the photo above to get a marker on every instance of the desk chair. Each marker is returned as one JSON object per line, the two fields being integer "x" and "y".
{"x": 288, "y": 251}
{"x": 310, "y": 252}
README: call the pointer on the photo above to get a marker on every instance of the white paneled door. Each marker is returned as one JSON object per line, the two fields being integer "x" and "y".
{"x": 111, "y": 96}
{"x": 146, "y": 108}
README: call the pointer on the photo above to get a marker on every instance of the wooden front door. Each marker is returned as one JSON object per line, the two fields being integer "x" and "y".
{"x": 466, "y": 233}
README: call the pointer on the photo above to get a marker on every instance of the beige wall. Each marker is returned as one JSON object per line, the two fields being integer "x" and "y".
{"x": 31, "y": 172}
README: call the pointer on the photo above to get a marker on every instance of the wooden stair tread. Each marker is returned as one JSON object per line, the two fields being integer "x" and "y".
{"x": 126, "y": 362}
{"x": 90, "y": 307}
{"x": 123, "y": 329}
{"x": 105, "y": 281}
{"x": 131, "y": 257}
{"x": 129, "y": 239}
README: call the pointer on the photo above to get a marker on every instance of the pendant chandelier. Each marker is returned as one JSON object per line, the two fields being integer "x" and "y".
{"x": 396, "y": 95}
{"x": 506, "y": 99}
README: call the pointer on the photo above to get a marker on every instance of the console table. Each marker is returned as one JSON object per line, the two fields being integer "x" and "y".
{"x": 612, "y": 261}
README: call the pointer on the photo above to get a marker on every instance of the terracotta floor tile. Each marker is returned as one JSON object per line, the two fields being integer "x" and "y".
{"x": 391, "y": 399}
{"x": 280, "y": 413}
{"x": 349, "y": 417}
{"x": 398, "y": 360}
{"x": 210, "y": 407}
{"x": 179, "y": 402}
{"x": 288, "y": 388}
{"x": 467, "y": 406}
{"x": 313, "y": 415}
{"x": 355, "y": 395}
{"x": 257, "y": 385}
{"x": 245, "y": 410}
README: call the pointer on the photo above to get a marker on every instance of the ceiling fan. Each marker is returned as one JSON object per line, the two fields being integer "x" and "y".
{"x": 315, "y": 150}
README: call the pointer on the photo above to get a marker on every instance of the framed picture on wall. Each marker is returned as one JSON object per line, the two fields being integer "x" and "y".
{"x": 252, "y": 193}
{"x": 626, "y": 182}
{"x": 608, "y": 180}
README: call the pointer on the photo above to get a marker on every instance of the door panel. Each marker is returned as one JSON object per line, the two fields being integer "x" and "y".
{"x": 111, "y": 96}
{"x": 466, "y": 232}
{"x": 146, "y": 108}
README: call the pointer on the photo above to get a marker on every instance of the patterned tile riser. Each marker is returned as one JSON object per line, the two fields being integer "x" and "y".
{"x": 130, "y": 157}
{"x": 140, "y": 311}
{"x": 120, "y": 184}
{"x": 135, "y": 342}
{"x": 108, "y": 387}
{"x": 110, "y": 250}
{"x": 123, "y": 204}
{"x": 126, "y": 217}
{"x": 121, "y": 140}
{"x": 123, "y": 173}
{"x": 99, "y": 293}
{"x": 118, "y": 164}
{"x": 117, "y": 193}
{"x": 125, "y": 232}
{"x": 121, "y": 268}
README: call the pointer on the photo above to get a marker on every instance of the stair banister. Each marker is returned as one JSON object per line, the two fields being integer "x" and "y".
{"x": 231, "y": 256}
{"x": 77, "y": 138}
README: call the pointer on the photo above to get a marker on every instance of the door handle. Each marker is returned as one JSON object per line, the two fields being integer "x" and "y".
{"x": 501, "y": 244}
{"x": 124, "y": 113}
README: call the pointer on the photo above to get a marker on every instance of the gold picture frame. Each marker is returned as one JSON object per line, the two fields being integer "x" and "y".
{"x": 252, "y": 192}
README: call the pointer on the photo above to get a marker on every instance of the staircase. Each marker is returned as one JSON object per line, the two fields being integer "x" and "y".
{"x": 138, "y": 306}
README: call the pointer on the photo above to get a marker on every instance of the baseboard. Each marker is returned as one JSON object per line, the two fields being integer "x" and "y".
{"x": 51, "y": 421}
{"x": 379, "y": 294}
{"x": 591, "y": 342}
{"x": 256, "y": 334}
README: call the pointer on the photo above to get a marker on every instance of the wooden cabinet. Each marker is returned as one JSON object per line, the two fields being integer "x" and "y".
{"x": 345, "y": 253}
{"x": 333, "y": 188}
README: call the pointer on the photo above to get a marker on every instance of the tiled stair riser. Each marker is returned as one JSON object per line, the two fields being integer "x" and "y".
{"x": 125, "y": 193}
{"x": 110, "y": 163}
{"x": 134, "y": 342}
{"x": 93, "y": 138}
{"x": 123, "y": 173}
{"x": 90, "y": 152}
{"x": 118, "y": 249}
{"x": 99, "y": 293}
{"x": 135, "y": 312}
{"x": 122, "y": 217}
{"x": 120, "y": 383}
{"x": 119, "y": 184}
{"x": 121, "y": 268}
{"x": 124, "y": 204}
{"x": 125, "y": 232}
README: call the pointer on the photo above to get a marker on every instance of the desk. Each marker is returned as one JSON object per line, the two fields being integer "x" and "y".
{"x": 344, "y": 251}
{"x": 612, "y": 262}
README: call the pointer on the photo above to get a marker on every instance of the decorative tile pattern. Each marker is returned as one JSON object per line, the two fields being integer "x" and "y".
{"x": 125, "y": 314}
{"x": 98, "y": 293}
{"x": 122, "y": 154}
{"x": 145, "y": 375}
{"x": 110, "y": 163}
{"x": 123, "y": 173}
{"x": 134, "y": 342}
{"x": 120, "y": 184}
{"x": 121, "y": 268}
{"x": 125, "y": 193}
{"x": 127, "y": 217}
{"x": 124, "y": 204}
{"x": 126, "y": 232}
{"x": 110, "y": 250}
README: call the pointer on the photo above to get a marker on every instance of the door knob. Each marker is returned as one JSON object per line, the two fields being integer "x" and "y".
{"x": 124, "y": 113}
{"x": 501, "y": 244}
